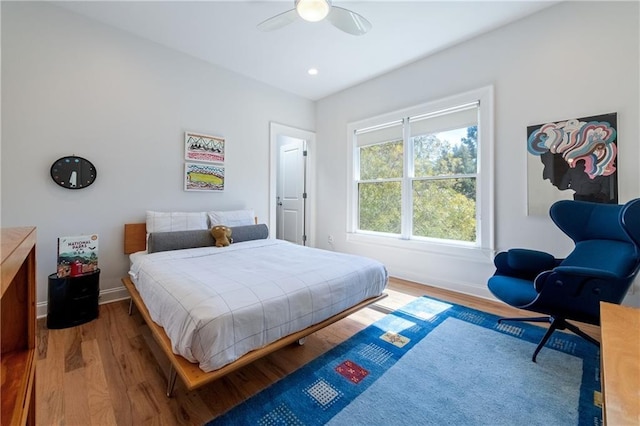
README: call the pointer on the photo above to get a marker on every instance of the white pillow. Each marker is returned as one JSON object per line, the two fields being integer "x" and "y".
{"x": 175, "y": 221}
{"x": 231, "y": 218}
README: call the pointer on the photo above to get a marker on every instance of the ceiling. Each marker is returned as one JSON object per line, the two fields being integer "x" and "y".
{"x": 225, "y": 34}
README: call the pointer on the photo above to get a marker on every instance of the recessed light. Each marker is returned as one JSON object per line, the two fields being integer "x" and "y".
{"x": 313, "y": 71}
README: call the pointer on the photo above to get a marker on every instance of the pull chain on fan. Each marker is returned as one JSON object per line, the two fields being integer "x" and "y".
{"x": 317, "y": 10}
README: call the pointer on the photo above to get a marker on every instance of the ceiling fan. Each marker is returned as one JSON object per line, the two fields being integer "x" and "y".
{"x": 317, "y": 10}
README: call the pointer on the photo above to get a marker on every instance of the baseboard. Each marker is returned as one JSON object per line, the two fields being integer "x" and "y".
{"x": 106, "y": 296}
{"x": 470, "y": 289}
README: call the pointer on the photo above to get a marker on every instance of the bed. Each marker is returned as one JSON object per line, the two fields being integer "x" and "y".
{"x": 213, "y": 310}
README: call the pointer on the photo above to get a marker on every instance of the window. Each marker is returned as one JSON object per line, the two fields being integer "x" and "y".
{"x": 424, "y": 174}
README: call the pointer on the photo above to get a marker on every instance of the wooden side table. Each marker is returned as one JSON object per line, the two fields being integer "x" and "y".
{"x": 18, "y": 324}
{"x": 620, "y": 351}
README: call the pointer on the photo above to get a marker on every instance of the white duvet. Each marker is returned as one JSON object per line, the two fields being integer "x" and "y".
{"x": 217, "y": 304}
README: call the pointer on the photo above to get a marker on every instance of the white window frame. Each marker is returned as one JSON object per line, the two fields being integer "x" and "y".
{"x": 483, "y": 248}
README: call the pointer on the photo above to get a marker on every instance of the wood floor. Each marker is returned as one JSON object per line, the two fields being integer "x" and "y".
{"x": 104, "y": 372}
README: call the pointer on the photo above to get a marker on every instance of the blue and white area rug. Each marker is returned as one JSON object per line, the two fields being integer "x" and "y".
{"x": 435, "y": 363}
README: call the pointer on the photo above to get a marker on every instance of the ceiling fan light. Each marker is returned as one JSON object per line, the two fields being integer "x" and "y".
{"x": 313, "y": 10}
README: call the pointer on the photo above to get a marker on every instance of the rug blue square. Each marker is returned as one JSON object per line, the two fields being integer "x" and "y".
{"x": 436, "y": 363}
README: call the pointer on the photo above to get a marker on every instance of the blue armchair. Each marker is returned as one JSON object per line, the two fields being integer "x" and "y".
{"x": 601, "y": 267}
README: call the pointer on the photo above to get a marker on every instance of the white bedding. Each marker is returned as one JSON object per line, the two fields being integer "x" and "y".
{"x": 217, "y": 304}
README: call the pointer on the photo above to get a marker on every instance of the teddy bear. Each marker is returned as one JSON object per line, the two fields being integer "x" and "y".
{"x": 222, "y": 235}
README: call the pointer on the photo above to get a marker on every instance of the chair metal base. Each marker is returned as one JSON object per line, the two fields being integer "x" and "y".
{"x": 554, "y": 324}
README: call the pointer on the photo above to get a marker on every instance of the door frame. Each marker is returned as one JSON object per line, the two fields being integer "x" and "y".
{"x": 276, "y": 129}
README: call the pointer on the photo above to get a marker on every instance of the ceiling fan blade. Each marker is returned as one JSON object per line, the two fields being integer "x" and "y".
{"x": 348, "y": 21}
{"x": 278, "y": 21}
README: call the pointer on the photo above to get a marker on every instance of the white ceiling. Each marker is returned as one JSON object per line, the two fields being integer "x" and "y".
{"x": 225, "y": 34}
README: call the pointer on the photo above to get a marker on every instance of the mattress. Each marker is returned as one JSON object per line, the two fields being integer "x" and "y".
{"x": 217, "y": 304}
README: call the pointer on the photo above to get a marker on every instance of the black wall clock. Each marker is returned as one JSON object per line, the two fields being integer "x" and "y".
{"x": 73, "y": 172}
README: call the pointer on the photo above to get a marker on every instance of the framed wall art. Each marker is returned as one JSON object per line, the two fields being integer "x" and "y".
{"x": 205, "y": 148}
{"x": 203, "y": 177}
{"x": 572, "y": 159}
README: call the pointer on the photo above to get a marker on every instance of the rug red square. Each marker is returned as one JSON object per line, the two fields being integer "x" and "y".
{"x": 352, "y": 371}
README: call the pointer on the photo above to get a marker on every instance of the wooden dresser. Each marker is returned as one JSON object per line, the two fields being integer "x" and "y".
{"x": 620, "y": 328}
{"x": 18, "y": 326}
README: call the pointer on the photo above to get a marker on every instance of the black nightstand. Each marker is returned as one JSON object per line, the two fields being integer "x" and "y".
{"x": 73, "y": 300}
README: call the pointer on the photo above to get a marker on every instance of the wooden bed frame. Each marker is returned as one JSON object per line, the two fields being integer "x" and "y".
{"x": 193, "y": 377}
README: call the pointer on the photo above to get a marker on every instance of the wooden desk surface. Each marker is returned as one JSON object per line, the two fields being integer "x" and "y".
{"x": 620, "y": 328}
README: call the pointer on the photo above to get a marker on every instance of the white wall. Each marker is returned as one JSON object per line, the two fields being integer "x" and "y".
{"x": 575, "y": 59}
{"x": 72, "y": 86}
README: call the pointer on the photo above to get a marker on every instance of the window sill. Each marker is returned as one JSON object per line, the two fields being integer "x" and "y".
{"x": 468, "y": 252}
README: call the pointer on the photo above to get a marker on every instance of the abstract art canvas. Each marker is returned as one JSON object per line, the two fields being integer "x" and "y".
{"x": 573, "y": 159}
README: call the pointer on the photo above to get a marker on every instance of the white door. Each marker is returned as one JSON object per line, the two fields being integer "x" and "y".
{"x": 291, "y": 192}
{"x": 280, "y": 135}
